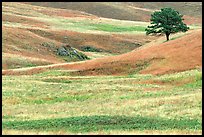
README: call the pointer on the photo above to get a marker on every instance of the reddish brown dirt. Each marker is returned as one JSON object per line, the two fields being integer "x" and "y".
{"x": 177, "y": 55}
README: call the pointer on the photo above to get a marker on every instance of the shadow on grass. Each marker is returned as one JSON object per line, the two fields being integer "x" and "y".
{"x": 96, "y": 123}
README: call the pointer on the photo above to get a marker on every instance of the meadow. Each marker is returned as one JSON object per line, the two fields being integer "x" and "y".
{"x": 58, "y": 102}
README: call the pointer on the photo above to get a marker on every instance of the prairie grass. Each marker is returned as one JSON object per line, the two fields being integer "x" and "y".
{"x": 57, "y": 102}
{"x": 15, "y": 61}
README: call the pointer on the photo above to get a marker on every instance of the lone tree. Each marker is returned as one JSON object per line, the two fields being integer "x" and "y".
{"x": 166, "y": 21}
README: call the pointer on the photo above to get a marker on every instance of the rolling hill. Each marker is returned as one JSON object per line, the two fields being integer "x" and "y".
{"x": 31, "y": 38}
{"x": 173, "y": 56}
{"x": 89, "y": 68}
{"x": 26, "y": 28}
{"x": 181, "y": 54}
{"x": 135, "y": 11}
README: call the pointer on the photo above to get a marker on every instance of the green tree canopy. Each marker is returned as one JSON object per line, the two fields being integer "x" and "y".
{"x": 166, "y": 21}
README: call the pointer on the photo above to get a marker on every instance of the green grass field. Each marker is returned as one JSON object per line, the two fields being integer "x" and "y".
{"x": 57, "y": 102}
{"x": 84, "y": 25}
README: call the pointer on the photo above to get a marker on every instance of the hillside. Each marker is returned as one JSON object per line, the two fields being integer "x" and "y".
{"x": 32, "y": 38}
{"x": 177, "y": 55}
{"x": 135, "y": 11}
{"x": 27, "y": 28}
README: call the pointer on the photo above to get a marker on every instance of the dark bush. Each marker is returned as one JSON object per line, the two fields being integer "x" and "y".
{"x": 90, "y": 49}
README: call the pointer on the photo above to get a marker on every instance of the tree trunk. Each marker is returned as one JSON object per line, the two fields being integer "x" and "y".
{"x": 167, "y": 36}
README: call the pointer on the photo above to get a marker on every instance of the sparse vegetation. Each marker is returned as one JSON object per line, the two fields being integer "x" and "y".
{"x": 19, "y": 62}
{"x": 150, "y": 106}
{"x": 44, "y": 91}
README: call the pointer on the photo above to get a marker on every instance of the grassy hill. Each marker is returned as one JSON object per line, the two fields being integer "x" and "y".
{"x": 135, "y": 11}
{"x": 194, "y": 8}
{"x": 157, "y": 57}
{"x": 27, "y": 28}
{"x": 177, "y": 55}
{"x": 130, "y": 84}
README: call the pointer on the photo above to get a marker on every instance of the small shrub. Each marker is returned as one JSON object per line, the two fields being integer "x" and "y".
{"x": 90, "y": 49}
